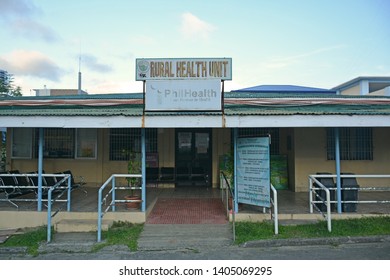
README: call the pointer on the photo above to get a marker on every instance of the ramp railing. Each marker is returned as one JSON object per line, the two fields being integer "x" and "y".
{"x": 59, "y": 186}
{"x": 229, "y": 201}
{"x": 315, "y": 186}
{"x": 110, "y": 200}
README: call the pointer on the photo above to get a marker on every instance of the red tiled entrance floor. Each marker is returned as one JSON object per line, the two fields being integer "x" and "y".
{"x": 188, "y": 211}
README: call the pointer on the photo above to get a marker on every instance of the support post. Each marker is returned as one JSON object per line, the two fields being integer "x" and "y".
{"x": 235, "y": 132}
{"x": 143, "y": 171}
{"x": 40, "y": 167}
{"x": 338, "y": 168}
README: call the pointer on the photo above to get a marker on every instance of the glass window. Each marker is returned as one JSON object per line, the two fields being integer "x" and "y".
{"x": 21, "y": 142}
{"x": 86, "y": 143}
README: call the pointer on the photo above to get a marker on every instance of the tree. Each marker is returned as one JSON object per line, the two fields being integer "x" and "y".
{"x": 7, "y": 86}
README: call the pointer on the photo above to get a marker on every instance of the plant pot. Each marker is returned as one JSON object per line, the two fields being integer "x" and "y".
{"x": 230, "y": 204}
{"x": 133, "y": 204}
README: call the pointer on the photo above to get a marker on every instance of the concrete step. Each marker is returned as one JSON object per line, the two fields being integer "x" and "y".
{"x": 184, "y": 236}
{"x": 77, "y": 242}
{"x": 80, "y": 225}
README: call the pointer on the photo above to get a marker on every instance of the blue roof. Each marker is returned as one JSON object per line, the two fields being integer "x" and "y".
{"x": 285, "y": 89}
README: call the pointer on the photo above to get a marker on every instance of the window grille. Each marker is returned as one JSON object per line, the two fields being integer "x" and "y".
{"x": 355, "y": 143}
{"x": 58, "y": 143}
{"x": 124, "y": 141}
{"x": 151, "y": 140}
{"x": 262, "y": 132}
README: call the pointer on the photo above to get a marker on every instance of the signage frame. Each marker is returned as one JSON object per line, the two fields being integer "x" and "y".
{"x": 253, "y": 171}
{"x": 183, "y": 69}
{"x": 183, "y": 95}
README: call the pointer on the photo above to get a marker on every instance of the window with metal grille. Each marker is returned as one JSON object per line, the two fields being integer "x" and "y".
{"x": 151, "y": 140}
{"x": 124, "y": 141}
{"x": 355, "y": 143}
{"x": 58, "y": 143}
{"x": 262, "y": 132}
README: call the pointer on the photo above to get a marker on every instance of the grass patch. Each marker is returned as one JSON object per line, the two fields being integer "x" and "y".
{"x": 122, "y": 233}
{"x": 247, "y": 231}
{"x": 30, "y": 239}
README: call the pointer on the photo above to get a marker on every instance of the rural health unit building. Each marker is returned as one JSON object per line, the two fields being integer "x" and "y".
{"x": 190, "y": 123}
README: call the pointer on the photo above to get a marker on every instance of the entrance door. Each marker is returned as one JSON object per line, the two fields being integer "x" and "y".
{"x": 193, "y": 157}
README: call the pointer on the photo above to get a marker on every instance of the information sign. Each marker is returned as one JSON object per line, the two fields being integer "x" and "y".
{"x": 253, "y": 171}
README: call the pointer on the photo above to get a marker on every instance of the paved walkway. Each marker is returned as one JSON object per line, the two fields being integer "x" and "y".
{"x": 187, "y": 211}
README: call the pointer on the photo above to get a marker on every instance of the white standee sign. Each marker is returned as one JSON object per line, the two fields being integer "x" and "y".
{"x": 183, "y": 95}
{"x": 253, "y": 171}
{"x": 183, "y": 68}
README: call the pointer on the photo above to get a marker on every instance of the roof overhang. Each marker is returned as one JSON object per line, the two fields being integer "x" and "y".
{"x": 220, "y": 121}
{"x": 248, "y": 111}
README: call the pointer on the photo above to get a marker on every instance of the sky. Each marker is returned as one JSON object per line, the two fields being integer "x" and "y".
{"x": 321, "y": 43}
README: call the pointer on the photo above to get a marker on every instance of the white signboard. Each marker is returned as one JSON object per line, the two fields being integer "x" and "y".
{"x": 183, "y": 95}
{"x": 183, "y": 68}
{"x": 253, "y": 171}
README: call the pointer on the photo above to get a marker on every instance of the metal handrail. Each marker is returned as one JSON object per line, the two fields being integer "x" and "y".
{"x": 274, "y": 202}
{"x": 227, "y": 193}
{"x": 360, "y": 188}
{"x": 312, "y": 191}
{"x": 58, "y": 185}
{"x": 101, "y": 200}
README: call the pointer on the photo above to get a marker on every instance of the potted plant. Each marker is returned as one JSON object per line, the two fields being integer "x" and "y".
{"x": 133, "y": 167}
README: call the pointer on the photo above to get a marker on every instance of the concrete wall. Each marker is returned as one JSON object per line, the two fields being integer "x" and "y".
{"x": 355, "y": 90}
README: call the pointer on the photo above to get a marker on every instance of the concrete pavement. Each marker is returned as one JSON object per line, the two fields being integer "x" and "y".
{"x": 353, "y": 248}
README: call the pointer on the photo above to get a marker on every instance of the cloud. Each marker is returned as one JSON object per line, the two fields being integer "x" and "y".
{"x": 92, "y": 63}
{"x": 18, "y": 8}
{"x": 19, "y": 16}
{"x": 31, "y": 63}
{"x": 194, "y": 28}
{"x": 32, "y": 29}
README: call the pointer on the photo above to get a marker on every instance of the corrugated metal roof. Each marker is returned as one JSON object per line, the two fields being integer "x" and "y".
{"x": 318, "y": 109}
{"x": 134, "y": 110}
{"x": 248, "y": 103}
{"x": 78, "y": 97}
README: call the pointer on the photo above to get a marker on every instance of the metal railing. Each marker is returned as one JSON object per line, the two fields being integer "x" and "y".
{"x": 316, "y": 199}
{"x": 229, "y": 200}
{"x": 360, "y": 188}
{"x": 20, "y": 193}
{"x": 313, "y": 191}
{"x": 274, "y": 202}
{"x": 58, "y": 186}
{"x": 111, "y": 201}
